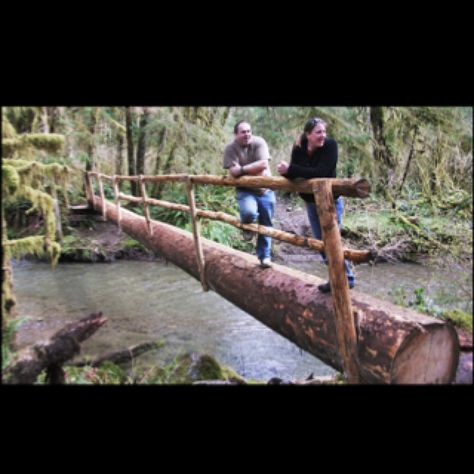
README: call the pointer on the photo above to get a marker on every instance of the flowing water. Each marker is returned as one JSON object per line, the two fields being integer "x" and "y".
{"x": 147, "y": 301}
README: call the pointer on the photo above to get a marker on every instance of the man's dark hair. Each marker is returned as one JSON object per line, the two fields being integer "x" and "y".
{"x": 236, "y": 126}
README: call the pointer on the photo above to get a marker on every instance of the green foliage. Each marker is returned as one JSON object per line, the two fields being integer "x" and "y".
{"x": 10, "y": 180}
{"x": 19, "y": 176}
{"x": 28, "y": 145}
{"x": 459, "y": 318}
{"x": 8, "y": 130}
{"x": 34, "y": 245}
{"x": 133, "y": 244}
{"x": 412, "y": 226}
{"x": 175, "y": 193}
{"x": 9, "y": 330}
{"x": 107, "y": 374}
{"x": 49, "y": 142}
{"x": 424, "y": 304}
{"x": 26, "y": 181}
{"x": 187, "y": 368}
{"x": 216, "y": 198}
{"x": 69, "y": 243}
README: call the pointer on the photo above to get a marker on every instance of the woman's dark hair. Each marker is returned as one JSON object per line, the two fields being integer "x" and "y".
{"x": 236, "y": 126}
{"x": 311, "y": 123}
{"x": 308, "y": 128}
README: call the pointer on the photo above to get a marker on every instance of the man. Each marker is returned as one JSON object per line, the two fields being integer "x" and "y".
{"x": 248, "y": 155}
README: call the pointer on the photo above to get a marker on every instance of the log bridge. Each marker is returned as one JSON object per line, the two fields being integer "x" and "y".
{"x": 370, "y": 340}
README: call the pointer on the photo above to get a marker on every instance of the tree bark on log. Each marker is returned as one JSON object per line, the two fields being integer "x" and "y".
{"x": 394, "y": 344}
{"x": 52, "y": 353}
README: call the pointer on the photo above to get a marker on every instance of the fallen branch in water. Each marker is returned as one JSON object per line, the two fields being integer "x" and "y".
{"x": 122, "y": 356}
{"x": 52, "y": 353}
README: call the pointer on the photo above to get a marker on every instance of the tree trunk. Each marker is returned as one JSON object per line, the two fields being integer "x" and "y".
{"x": 225, "y": 115}
{"x": 395, "y": 345}
{"x": 382, "y": 154}
{"x": 132, "y": 170}
{"x": 54, "y": 114}
{"x": 119, "y": 155}
{"x": 8, "y": 297}
{"x": 90, "y": 164}
{"x": 158, "y": 189}
{"x": 141, "y": 147}
{"x": 160, "y": 146}
{"x": 44, "y": 125}
{"x": 410, "y": 156}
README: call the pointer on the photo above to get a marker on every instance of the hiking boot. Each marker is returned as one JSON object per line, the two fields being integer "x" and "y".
{"x": 266, "y": 263}
{"x": 326, "y": 287}
{"x": 248, "y": 235}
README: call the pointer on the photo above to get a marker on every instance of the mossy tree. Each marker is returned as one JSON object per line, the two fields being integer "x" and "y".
{"x": 27, "y": 180}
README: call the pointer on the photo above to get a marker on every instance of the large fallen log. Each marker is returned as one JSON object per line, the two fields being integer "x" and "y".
{"x": 395, "y": 345}
{"x": 52, "y": 353}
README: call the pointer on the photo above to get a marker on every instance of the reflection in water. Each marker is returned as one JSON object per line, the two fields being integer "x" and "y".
{"x": 146, "y": 301}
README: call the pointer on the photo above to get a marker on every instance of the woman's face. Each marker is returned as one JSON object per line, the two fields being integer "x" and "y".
{"x": 317, "y": 136}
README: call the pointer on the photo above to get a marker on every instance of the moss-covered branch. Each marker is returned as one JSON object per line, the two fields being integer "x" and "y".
{"x": 30, "y": 142}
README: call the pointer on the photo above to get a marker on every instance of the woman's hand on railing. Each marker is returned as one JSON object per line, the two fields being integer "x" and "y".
{"x": 282, "y": 167}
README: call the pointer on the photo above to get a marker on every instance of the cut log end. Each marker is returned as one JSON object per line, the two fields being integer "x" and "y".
{"x": 363, "y": 188}
{"x": 423, "y": 360}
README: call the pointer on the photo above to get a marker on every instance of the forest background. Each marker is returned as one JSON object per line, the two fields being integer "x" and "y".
{"x": 417, "y": 159}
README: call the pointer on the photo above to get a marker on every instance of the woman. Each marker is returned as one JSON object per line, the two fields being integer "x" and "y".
{"x": 315, "y": 156}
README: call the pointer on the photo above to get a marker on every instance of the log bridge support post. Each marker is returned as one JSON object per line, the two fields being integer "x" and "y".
{"x": 344, "y": 322}
{"x": 196, "y": 234}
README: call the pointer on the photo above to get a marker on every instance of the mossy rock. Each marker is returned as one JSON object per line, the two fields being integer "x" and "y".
{"x": 189, "y": 368}
{"x": 204, "y": 367}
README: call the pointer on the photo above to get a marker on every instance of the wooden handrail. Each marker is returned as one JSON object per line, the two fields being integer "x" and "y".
{"x": 344, "y": 187}
{"x": 350, "y": 187}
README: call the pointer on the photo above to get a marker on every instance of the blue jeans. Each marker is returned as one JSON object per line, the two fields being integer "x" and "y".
{"x": 316, "y": 228}
{"x": 255, "y": 208}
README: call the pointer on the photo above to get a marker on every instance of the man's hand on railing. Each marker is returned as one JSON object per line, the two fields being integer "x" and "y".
{"x": 235, "y": 170}
{"x": 257, "y": 168}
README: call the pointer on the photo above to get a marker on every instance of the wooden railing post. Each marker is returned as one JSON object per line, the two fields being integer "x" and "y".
{"x": 196, "y": 234}
{"x": 345, "y": 327}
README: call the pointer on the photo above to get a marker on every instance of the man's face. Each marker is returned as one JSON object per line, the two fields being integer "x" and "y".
{"x": 244, "y": 134}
